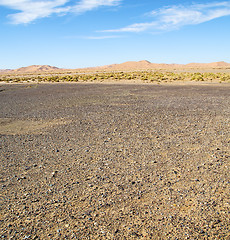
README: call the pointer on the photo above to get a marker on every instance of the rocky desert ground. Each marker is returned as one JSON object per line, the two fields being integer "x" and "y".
{"x": 114, "y": 161}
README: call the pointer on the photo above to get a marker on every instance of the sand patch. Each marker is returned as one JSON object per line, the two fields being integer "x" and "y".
{"x": 10, "y": 126}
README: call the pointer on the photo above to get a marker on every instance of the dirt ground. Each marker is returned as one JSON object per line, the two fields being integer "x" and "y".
{"x": 114, "y": 161}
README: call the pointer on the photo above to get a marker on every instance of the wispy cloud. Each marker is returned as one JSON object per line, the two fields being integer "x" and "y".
{"x": 87, "y": 5}
{"x": 102, "y": 37}
{"x": 30, "y": 10}
{"x": 94, "y": 37}
{"x": 177, "y": 16}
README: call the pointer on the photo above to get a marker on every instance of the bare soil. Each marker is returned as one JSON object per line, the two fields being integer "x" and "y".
{"x": 116, "y": 161}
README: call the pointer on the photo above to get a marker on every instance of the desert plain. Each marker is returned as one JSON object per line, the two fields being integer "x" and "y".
{"x": 115, "y": 160}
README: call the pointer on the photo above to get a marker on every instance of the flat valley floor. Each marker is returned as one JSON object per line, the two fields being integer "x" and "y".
{"x": 110, "y": 161}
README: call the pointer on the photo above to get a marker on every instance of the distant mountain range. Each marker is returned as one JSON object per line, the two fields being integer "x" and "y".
{"x": 126, "y": 66}
{"x": 132, "y": 65}
{"x": 33, "y": 69}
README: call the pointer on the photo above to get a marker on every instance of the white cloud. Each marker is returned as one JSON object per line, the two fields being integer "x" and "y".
{"x": 136, "y": 27}
{"x": 101, "y": 37}
{"x": 94, "y": 37}
{"x": 86, "y": 5}
{"x": 174, "y": 17}
{"x": 30, "y": 10}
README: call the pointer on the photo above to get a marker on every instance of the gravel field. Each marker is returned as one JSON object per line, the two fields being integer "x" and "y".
{"x": 114, "y": 161}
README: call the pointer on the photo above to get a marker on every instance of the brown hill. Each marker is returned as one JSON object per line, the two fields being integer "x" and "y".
{"x": 130, "y": 65}
{"x": 208, "y": 65}
{"x": 146, "y": 65}
{"x": 36, "y": 68}
{"x": 126, "y": 66}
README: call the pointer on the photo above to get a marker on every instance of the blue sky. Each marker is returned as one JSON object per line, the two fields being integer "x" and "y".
{"x": 84, "y": 33}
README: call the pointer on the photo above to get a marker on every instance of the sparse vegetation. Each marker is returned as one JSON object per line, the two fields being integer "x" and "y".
{"x": 143, "y": 76}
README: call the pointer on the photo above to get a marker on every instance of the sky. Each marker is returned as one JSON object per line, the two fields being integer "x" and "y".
{"x": 88, "y": 33}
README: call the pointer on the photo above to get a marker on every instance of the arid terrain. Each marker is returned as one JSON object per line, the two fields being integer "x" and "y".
{"x": 128, "y": 72}
{"x": 114, "y": 161}
{"x": 143, "y": 65}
